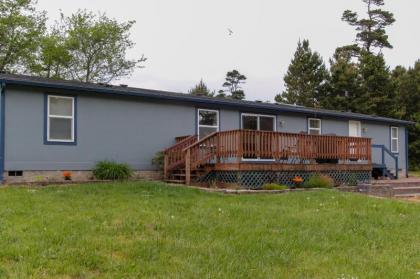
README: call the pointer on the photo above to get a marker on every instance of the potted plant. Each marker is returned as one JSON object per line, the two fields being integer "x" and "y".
{"x": 67, "y": 175}
{"x": 297, "y": 180}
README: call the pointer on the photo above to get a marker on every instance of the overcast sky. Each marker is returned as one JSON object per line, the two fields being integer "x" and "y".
{"x": 186, "y": 40}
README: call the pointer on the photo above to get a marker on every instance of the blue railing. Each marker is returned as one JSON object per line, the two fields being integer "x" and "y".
{"x": 384, "y": 150}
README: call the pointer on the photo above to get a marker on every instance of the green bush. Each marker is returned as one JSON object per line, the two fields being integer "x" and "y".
{"x": 319, "y": 181}
{"x": 158, "y": 160}
{"x": 107, "y": 170}
{"x": 273, "y": 186}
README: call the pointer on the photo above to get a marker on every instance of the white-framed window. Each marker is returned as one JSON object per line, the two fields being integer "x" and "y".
{"x": 314, "y": 126}
{"x": 394, "y": 140}
{"x": 60, "y": 119}
{"x": 258, "y": 122}
{"x": 208, "y": 122}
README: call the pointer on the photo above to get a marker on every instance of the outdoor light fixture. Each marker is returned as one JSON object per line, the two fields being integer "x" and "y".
{"x": 281, "y": 123}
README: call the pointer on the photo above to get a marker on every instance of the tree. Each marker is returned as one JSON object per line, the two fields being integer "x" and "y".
{"x": 201, "y": 89}
{"x": 344, "y": 83}
{"x": 21, "y": 27}
{"x": 53, "y": 57}
{"x": 407, "y": 86}
{"x": 232, "y": 84}
{"x": 378, "y": 92}
{"x": 98, "y": 47}
{"x": 371, "y": 30}
{"x": 305, "y": 79}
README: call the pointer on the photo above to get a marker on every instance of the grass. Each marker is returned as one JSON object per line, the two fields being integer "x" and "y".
{"x": 150, "y": 230}
{"x": 414, "y": 173}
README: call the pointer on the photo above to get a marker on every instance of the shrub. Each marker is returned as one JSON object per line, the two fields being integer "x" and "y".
{"x": 319, "y": 181}
{"x": 158, "y": 160}
{"x": 273, "y": 186}
{"x": 107, "y": 170}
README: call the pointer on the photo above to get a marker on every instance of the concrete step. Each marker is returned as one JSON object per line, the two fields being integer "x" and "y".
{"x": 397, "y": 183}
{"x": 406, "y": 190}
{"x": 412, "y": 195}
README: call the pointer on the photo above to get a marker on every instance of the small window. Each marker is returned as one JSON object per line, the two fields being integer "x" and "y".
{"x": 394, "y": 139}
{"x": 60, "y": 119}
{"x": 208, "y": 122}
{"x": 15, "y": 173}
{"x": 314, "y": 126}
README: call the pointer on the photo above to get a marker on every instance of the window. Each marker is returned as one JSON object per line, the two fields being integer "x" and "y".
{"x": 394, "y": 139}
{"x": 314, "y": 126}
{"x": 258, "y": 122}
{"x": 60, "y": 119}
{"x": 208, "y": 122}
{"x": 15, "y": 173}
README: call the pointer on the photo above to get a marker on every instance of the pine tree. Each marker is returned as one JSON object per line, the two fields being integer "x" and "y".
{"x": 378, "y": 92}
{"x": 201, "y": 89}
{"x": 305, "y": 79}
{"x": 407, "y": 85}
{"x": 371, "y": 30}
{"x": 344, "y": 84}
{"x": 232, "y": 85}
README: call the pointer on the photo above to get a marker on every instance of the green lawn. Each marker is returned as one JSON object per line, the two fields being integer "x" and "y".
{"x": 414, "y": 173}
{"x": 150, "y": 230}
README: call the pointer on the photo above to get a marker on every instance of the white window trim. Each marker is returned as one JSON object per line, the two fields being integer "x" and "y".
{"x": 49, "y": 139}
{"x": 258, "y": 122}
{"x": 207, "y": 126}
{"x": 395, "y": 138}
{"x": 315, "y": 129}
{"x": 258, "y": 129}
{"x": 359, "y": 124}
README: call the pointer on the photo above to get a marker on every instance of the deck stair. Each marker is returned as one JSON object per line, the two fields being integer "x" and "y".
{"x": 178, "y": 176}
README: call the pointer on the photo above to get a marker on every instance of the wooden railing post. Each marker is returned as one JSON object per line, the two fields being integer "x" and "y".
{"x": 188, "y": 167}
{"x": 165, "y": 165}
{"x": 240, "y": 153}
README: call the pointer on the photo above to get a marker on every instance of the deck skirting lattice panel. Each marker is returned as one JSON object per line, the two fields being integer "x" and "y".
{"x": 256, "y": 179}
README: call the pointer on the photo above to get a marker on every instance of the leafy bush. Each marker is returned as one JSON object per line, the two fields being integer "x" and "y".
{"x": 319, "y": 181}
{"x": 107, "y": 170}
{"x": 273, "y": 186}
{"x": 158, "y": 160}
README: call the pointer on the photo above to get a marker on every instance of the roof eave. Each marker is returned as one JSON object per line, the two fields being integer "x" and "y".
{"x": 206, "y": 102}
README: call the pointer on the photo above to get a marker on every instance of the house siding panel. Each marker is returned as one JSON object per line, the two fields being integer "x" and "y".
{"x": 121, "y": 129}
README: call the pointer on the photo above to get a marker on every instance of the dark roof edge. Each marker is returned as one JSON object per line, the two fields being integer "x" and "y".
{"x": 146, "y": 93}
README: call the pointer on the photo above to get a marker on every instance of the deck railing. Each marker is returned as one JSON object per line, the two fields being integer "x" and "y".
{"x": 238, "y": 145}
{"x": 175, "y": 155}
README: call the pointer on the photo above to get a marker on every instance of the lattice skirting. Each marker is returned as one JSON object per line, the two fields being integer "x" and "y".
{"x": 256, "y": 179}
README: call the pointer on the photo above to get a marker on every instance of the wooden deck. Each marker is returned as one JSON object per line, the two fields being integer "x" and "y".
{"x": 268, "y": 151}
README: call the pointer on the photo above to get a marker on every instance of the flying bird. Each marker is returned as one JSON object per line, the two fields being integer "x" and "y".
{"x": 230, "y": 32}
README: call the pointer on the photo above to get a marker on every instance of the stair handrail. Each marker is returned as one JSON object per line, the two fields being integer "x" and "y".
{"x": 384, "y": 150}
{"x": 174, "y": 155}
{"x": 176, "y": 145}
{"x": 193, "y": 152}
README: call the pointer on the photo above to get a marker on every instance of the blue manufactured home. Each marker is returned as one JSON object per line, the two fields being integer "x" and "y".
{"x": 50, "y": 126}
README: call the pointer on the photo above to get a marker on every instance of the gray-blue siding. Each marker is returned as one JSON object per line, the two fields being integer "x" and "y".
{"x": 132, "y": 130}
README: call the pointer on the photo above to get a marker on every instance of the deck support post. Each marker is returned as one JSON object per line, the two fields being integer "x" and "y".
{"x": 188, "y": 167}
{"x": 165, "y": 165}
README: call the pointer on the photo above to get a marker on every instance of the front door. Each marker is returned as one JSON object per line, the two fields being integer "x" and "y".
{"x": 355, "y": 129}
